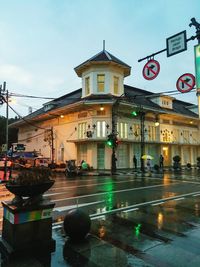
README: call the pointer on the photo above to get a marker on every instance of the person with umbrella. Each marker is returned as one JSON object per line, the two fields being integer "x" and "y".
{"x": 148, "y": 162}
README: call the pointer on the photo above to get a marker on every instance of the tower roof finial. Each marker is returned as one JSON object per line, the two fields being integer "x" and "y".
{"x": 104, "y": 44}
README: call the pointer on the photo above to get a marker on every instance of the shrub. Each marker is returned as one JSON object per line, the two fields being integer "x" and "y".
{"x": 177, "y": 158}
{"x": 189, "y": 165}
{"x": 198, "y": 158}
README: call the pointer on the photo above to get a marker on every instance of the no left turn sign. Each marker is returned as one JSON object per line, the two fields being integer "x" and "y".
{"x": 185, "y": 82}
{"x": 151, "y": 69}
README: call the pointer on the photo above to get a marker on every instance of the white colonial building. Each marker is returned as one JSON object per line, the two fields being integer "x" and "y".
{"x": 76, "y": 125}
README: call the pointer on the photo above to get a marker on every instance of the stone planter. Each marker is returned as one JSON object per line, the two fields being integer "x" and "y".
{"x": 27, "y": 219}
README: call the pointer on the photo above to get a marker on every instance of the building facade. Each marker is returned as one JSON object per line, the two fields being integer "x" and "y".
{"x": 77, "y": 125}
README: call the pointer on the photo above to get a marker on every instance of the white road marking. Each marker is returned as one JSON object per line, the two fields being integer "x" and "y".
{"x": 180, "y": 198}
{"x": 159, "y": 203}
{"x": 64, "y": 208}
{"x": 103, "y": 193}
{"x": 144, "y": 204}
{"x": 196, "y": 195}
{"x": 130, "y": 210}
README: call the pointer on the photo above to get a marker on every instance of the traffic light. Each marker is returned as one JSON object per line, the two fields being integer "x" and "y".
{"x": 134, "y": 113}
{"x": 109, "y": 141}
{"x": 112, "y": 140}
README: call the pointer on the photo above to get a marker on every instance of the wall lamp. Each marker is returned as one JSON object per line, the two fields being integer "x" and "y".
{"x": 101, "y": 107}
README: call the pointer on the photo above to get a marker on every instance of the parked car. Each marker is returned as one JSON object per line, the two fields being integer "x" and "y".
{"x": 42, "y": 162}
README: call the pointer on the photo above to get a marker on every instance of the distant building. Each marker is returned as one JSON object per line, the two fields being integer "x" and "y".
{"x": 78, "y": 123}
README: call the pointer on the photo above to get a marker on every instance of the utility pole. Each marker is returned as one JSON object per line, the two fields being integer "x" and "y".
{"x": 6, "y": 101}
{"x": 52, "y": 147}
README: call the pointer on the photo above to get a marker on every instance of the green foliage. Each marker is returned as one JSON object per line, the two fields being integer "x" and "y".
{"x": 177, "y": 158}
{"x": 198, "y": 158}
{"x": 12, "y": 132}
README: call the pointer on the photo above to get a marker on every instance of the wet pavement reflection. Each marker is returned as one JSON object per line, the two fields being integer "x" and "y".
{"x": 136, "y": 221}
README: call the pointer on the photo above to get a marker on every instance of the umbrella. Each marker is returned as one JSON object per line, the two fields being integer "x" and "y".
{"x": 147, "y": 157}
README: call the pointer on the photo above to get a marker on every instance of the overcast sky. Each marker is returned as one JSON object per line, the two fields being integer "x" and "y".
{"x": 42, "y": 41}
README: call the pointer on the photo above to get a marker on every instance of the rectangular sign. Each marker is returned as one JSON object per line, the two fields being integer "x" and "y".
{"x": 197, "y": 66}
{"x": 176, "y": 43}
{"x": 4, "y": 147}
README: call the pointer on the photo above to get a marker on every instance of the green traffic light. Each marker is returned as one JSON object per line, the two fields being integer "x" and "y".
{"x": 109, "y": 143}
{"x": 134, "y": 113}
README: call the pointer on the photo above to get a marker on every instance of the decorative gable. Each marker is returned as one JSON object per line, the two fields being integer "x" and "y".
{"x": 163, "y": 101}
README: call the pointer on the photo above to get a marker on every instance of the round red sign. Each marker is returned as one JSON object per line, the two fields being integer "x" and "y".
{"x": 151, "y": 69}
{"x": 185, "y": 82}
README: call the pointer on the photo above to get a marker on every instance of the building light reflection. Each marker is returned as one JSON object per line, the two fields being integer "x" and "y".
{"x": 160, "y": 220}
{"x": 196, "y": 209}
{"x": 102, "y": 231}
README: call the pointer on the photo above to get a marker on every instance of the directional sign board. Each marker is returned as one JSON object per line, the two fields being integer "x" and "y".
{"x": 176, "y": 43}
{"x": 185, "y": 83}
{"x": 151, "y": 69}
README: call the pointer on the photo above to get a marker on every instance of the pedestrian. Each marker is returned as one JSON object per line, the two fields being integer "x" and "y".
{"x": 84, "y": 165}
{"x": 135, "y": 162}
{"x": 161, "y": 161}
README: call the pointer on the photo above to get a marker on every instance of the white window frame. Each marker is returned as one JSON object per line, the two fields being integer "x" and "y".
{"x": 101, "y": 129}
{"x": 82, "y": 128}
{"x": 99, "y": 83}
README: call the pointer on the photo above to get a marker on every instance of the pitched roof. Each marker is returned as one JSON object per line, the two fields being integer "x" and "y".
{"x": 136, "y": 96}
{"x": 104, "y": 57}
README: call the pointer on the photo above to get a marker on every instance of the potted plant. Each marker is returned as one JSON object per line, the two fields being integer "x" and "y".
{"x": 30, "y": 183}
{"x": 176, "y": 163}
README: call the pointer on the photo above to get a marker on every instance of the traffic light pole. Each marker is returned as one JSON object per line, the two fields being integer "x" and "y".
{"x": 142, "y": 144}
{"x": 114, "y": 133}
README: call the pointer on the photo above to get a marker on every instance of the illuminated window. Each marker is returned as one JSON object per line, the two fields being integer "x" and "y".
{"x": 151, "y": 133}
{"x": 185, "y": 136}
{"x": 62, "y": 151}
{"x": 101, "y": 128}
{"x": 100, "y": 82}
{"x": 116, "y": 85}
{"x": 136, "y": 131}
{"x": 82, "y": 130}
{"x": 122, "y": 129}
{"x": 176, "y": 135}
{"x": 87, "y": 85}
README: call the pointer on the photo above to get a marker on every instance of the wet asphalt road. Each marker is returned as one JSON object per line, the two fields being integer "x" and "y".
{"x": 145, "y": 221}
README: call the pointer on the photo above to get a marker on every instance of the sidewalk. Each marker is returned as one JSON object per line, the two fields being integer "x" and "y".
{"x": 91, "y": 252}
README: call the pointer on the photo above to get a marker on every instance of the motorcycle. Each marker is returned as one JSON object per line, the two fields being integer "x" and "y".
{"x": 71, "y": 169}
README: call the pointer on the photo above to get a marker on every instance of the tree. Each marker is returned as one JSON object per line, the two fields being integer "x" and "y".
{"x": 12, "y": 132}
